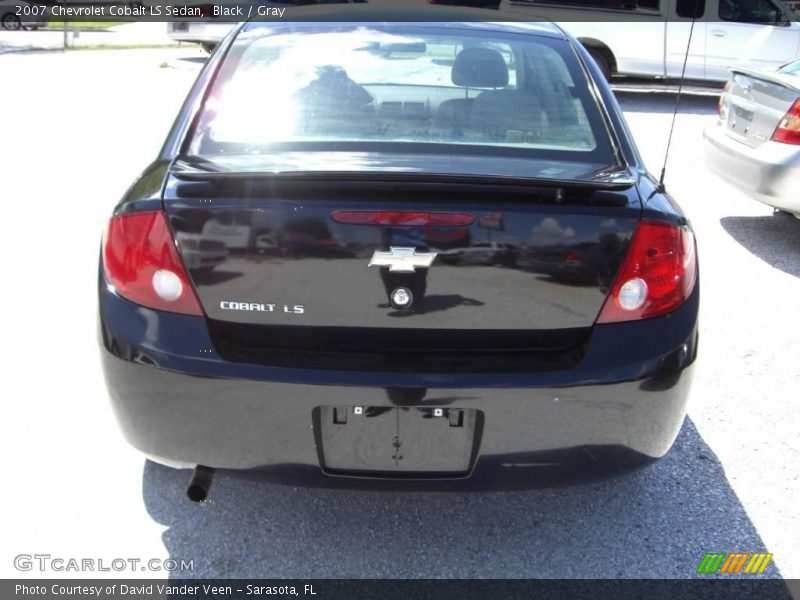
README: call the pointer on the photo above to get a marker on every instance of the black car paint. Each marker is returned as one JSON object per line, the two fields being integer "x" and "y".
{"x": 308, "y": 246}
{"x": 196, "y": 407}
{"x": 184, "y": 398}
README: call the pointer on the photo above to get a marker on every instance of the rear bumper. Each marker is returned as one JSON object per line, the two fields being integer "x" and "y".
{"x": 177, "y": 401}
{"x": 769, "y": 173}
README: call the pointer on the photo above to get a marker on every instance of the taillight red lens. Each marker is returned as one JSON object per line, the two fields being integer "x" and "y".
{"x": 142, "y": 263}
{"x": 402, "y": 218}
{"x": 788, "y": 130}
{"x": 657, "y": 276}
{"x": 721, "y": 103}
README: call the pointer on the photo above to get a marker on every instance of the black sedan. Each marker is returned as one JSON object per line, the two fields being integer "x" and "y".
{"x": 366, "y": 152}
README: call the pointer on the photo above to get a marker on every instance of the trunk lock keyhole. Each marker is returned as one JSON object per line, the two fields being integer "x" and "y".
{"x": 401, "y": 298}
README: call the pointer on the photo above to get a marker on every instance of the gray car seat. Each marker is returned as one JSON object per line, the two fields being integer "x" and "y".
{"x": 499, "y": 115}
{"x": 473, "y": 68}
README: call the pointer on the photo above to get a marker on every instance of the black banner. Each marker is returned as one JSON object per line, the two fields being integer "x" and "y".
{"x": 644, "y": 12}
{"x": 396, "y": 589}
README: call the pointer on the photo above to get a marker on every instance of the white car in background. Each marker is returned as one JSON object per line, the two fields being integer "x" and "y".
{"x": 649, "y": 37}
{"x": 207, "y": 34}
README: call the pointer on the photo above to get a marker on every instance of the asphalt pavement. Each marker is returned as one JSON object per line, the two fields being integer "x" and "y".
{"x": 78, "y": 127}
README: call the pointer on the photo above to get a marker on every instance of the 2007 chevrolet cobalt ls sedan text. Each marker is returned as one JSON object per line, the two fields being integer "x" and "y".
{"x": 339, "y": 177}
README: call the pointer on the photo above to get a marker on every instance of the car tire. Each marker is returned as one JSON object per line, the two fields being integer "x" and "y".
{"x": 11, "y": 22}
{"x": 208, "y": 46}
{"x": 602, "y": 60}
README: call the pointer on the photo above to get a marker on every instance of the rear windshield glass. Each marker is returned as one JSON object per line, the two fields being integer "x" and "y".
{"x": 317, "y": 87}
{"x": 793, "y": 68}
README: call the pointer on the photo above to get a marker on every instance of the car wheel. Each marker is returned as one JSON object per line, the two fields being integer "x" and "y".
{"x": 208, "y": 46}
{"x": 602, "y": 60}
{"x": 11, "y": 22}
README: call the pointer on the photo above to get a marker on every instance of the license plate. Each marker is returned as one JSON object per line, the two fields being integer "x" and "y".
{"x": 740, "y": 118}
{"x": 398, "y": 440}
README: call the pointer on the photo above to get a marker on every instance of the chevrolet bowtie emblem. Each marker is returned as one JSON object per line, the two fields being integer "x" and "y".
{"x": 402, "y": 260}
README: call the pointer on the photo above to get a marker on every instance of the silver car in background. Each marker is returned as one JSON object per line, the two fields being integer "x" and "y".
{"x": 755, "y": 144}
{"x": 19, "y": 14}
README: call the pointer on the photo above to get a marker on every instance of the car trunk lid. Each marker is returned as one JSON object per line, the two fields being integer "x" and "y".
{"x": 528, "y": 275}
{"x": 757, "y": 103}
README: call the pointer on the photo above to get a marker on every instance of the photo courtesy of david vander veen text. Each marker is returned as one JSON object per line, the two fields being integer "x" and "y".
{"x": 206, "y": 590}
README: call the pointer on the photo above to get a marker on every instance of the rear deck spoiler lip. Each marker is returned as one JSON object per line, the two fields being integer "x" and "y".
{"x": 772, "y": 77}
{"x": 619, "y": 180}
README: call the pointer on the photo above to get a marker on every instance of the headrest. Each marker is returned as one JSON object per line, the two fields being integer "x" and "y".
{"x": 480, "y": 67}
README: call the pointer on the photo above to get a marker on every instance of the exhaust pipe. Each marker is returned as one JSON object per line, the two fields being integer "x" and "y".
{"x": 200, "y": 483}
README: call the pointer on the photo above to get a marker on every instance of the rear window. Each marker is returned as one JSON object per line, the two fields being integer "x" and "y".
{"x": 793, "y": 68}
{"x": 368, "y": 86}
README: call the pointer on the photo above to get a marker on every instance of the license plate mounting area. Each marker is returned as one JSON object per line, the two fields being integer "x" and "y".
{"x": 397, "y": 441}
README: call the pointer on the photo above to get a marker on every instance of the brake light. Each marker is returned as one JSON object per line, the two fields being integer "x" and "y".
{"x": 788, "y": 130}
{"x": 402, "y": 218}
{"x": 722, "y": 109}
{"x": 141, "y": 261}
{"x": 657, "y": 276}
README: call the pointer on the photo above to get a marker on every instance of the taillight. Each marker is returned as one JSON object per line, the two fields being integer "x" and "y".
{"x": 657, "y": 276}
{"x": 142, "y": 263}
{"x": 788, "y": 130}
{"x": 722, "y": 109}
{"x": 402, "y": 218}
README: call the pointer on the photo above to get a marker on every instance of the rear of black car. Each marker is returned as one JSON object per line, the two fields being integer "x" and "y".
{"x": 398, "y": 250}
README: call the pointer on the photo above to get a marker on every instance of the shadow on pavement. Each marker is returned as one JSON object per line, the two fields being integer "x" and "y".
{"x": 774, "y": 239}
{"x": 7, "y": 48}
{"x": 654, "y": 522}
